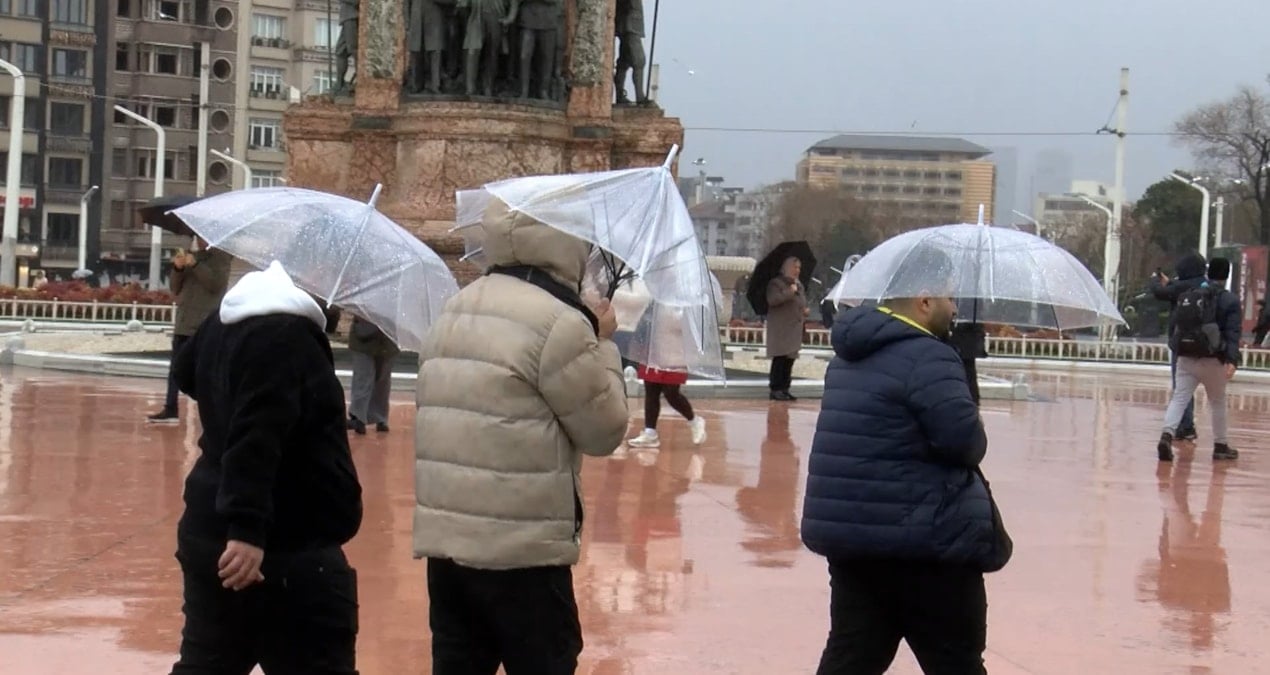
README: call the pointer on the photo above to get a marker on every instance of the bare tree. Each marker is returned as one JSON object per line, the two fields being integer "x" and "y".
{"x": 1233, "y": 137}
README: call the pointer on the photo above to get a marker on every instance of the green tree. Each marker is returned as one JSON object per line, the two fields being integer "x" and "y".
{"x": 1170, "y": 210}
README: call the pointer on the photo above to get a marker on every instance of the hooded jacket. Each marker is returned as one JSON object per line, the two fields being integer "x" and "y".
{"x": 275, "y": 469}
{"x": 514, "y": 388}
{"x": 892, "y": 469}
{"x": 1191, "y": 273}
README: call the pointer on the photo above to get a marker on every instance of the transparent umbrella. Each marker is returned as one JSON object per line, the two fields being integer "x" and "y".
{"x": 1000, "y": 275}
{"x": 341, "y": 250}
{"x": 666, "y": 337}
{"x": 635, "y": 216}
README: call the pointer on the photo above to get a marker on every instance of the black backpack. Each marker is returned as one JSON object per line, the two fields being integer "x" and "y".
{"x": 1195, "y": 330}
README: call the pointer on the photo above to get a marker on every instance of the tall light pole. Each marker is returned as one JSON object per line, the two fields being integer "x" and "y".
{"x": 83, "y": 227}
{"x": 240, "y": 164}
{"x": 1108, "y": 271}
{"x": 204, "y": 89}
{"x": 13, "y": 178}
{"x": 160, "y": 160}
{"x": 700, "y": 163}
{"x": 1220, "y": 207}
{"x": 1203, "y": 213}
{"x": 1035, "y": 223}
{"x": 1111, "y": 266}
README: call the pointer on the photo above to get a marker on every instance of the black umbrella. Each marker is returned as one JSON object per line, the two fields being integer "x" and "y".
{"x": 155, "y": 213}
{"x": 770, "y": 267}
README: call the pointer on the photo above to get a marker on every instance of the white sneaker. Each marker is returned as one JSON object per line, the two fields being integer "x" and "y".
{"x": 698, "y": 427}
{"x": 647, "y": 439}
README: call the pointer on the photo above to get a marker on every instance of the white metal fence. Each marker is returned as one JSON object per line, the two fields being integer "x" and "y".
{"x": 87, "y": 312}
{"x": 1125, "y": 351}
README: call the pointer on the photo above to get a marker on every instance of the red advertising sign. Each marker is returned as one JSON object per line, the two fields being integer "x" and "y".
{"x": 24, "y": 202}
{"x": 1252, "y": 282}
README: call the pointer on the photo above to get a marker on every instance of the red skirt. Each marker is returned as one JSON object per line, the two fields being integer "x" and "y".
{"x": 669, "y": 377}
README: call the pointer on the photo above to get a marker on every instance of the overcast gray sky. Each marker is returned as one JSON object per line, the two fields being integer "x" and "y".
{"x": 950, "y": 66}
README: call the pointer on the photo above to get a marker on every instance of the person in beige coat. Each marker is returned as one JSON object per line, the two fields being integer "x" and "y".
{"x": 518, "y": 380}
{"x": 787, "y": 309}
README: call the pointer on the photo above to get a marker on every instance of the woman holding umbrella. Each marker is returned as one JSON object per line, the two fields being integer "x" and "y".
{"x": 786, "y": 310}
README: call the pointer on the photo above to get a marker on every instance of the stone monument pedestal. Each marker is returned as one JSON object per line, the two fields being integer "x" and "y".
{"x": 423, "y": 150}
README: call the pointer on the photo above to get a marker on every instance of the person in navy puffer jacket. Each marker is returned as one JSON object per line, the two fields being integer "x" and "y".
{"x": 894, "y": 500}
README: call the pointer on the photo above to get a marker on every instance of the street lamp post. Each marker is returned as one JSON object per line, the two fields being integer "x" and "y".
{"x": 1109, "y": 268}
{"x": 13, "y": 178}
{"x": 1220, "y": 207}
{"x": 160, "y": 172}
{"x": 1203, "y": 214}
{"x": 83, "y": 227}
{"x": 238, "y": 163}
{"x": 1035, "y": 223}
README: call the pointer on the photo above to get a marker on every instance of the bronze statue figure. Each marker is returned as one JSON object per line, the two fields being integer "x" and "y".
{"x": 538, "y": 21}
{"x": 630, "y": 35}
{"x": 426, "y": 42}
{"x": 346, "y": 45}
{"x": 483, "y": 42}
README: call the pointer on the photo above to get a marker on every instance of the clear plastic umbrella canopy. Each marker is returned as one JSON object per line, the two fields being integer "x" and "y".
{"x": 635, "y": 215}
{"x": 666, "y": 337}
{"x": 1000, "y": 275}
{"x": 341, "y": 250}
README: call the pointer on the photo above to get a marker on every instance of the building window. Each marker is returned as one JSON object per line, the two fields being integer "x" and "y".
{"x": 850, "y": 172}
{"x": 261, "y": 178}
{"x": 912, "y": 174}
{"x": 144, "y": 165}
{"x": 164, "y": 60}
{"x": 119, "y": 163}
{"x": 325, "y": 33}
{"x": 952, "y": 192}
{"x": 891, "y": 173}
{"x": 124, "y": 8}
{"x": 180, "y": 11}
{"x": 30, "y": 114}
{"x": 265, "y": 133}
{"x": 911, "y": 189}
{"x": 267, "y": 26}
{"x": 31, "y": 8}
{"x": 953, "y": 175}
{"x": 322, "y": 82}
{"x": 165, "y": 115}
{"x": 931, "y": 191}
{"x": 66, "y": 119}
{"x": 26, "y": 57}
{"x": 6, "y": 7}
{"x": 63, "y": 229}
{"x": 871, "y": 173}
{"x": 30, "y": 167}
{"x": 869, "y": 188}
{"x": 265, "y": 80}
{"x": 890, "y": 189}
{"x": 933, "y": 175}
{"x": 70, "y": 63}
{"x": 123, "y": 53}
{"x": 70, "y": 11}
{"x": 66, "y": 172}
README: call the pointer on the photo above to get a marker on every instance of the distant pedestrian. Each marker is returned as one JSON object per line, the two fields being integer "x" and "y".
{"x": 1205, "y": 335}
{"x": 373, "y": 354}
{"x": 787, "y": 310}
{"x": 1190, "y": 270}
{"x": 1263, "y": 326}
{"x": 198, "y": 281}
{"x": 659, "y": 384}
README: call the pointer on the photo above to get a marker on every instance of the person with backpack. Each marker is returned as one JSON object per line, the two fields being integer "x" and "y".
{"x": 1205, "y": 336}
{"x": 1190, "y": 274}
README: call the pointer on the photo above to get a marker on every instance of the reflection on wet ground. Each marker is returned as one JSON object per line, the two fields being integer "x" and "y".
{"x": 691, "y": 559}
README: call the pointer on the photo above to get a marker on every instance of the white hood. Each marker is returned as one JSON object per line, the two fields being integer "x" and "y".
{"x": 268, "y": 292}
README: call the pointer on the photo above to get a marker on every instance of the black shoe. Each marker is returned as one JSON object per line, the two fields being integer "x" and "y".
{"x": 358, "y": 426}
{"x": 165, "y": 416}
{"x": 1188, "y": 435}
{"x": 789, "y": 396}
{"x": 1165, "y": 447}
{"x": 381, "y": 428}
{"x": 1221, "y": 451}
{"x": 781, "y": 396}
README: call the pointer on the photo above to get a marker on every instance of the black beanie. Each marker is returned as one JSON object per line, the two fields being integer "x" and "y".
{"x": 1219, "y": 269}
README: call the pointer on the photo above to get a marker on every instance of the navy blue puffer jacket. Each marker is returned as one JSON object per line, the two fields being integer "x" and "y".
{"x": 892, "y": 470}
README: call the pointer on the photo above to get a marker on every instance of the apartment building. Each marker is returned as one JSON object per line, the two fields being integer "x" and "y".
{"x": 83, "y": 57}
{"x": 927, "y": 181}
{"x": 1070, "y": 210}
{"x": 734, "y": 222}
{"x": 55, "y": 44}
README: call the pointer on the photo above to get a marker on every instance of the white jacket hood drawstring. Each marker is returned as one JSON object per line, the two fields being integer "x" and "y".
{"x": 269, "y": 292}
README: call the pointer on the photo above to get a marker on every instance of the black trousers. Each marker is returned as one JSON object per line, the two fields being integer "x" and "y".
{"x": 653, "y": 392}
{"x": 524, "y": 619}
{"x": 781, "y": 375}
{"x": 169, "y": 403}
{"x": 940, "y": 610}
{"x": 302, "y": 620}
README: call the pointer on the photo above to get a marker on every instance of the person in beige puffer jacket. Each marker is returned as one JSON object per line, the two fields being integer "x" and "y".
{"x": 518, "y": 380}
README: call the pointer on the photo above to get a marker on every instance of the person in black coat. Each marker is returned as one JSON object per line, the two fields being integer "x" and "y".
{"x": 1192, "y": 271}
{"x": 1263, "y": 326}
{"x": 274, "y": 494}
{"x": 894, "y": 498}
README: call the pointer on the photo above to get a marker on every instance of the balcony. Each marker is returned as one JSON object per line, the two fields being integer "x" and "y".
{"x": 59, "y": 251}
{"x": 68, "y": 143}
{"x": 63, "y": 194}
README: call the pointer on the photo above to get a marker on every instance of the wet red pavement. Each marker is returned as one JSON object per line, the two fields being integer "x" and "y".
{"x": 691, "y": 560}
